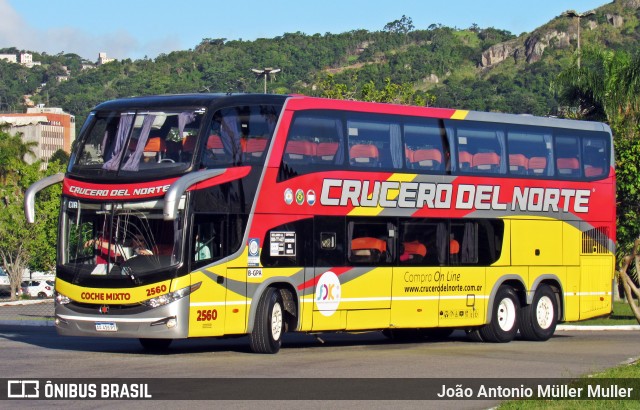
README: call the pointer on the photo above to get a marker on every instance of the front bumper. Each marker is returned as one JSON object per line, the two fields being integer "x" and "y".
{"x": 170, "y": 321}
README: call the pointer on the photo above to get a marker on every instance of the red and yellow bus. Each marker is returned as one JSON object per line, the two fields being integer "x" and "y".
{"x": 208, "y": 215}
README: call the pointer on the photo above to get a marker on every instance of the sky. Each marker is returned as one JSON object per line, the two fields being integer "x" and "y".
{"x": 145, "y": 28}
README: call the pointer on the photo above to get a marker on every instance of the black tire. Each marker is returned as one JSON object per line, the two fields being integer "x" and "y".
{"x": 474, "y": 335}
{"x": 42, "y": 295}
{"x": 269, "y": 325}
{"x": 155, "y": 345}
{"x": 503, "y": 326}
{"x": 539, "y": 319}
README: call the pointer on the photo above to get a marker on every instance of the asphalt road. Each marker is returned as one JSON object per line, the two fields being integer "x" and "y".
{"x": 37, "y": 352}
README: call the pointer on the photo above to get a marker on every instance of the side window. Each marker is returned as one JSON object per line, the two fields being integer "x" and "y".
{"x": 314, "y": 143}
{"x": 423, "y": 242}
{"x": 595, "y": 157}
{"x": 239, "y": 135}
{"x": 370, "y": 242}
{"x": 424, "y": 148}
{"x": 374, "y": 144}
{"x": 286, "y": 245}
{"x": 567, "y": 150}
{"x": 529, "y": 153}
{"x": 480, "y": 149}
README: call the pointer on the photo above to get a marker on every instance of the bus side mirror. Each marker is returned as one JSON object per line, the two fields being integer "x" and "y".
{"x": 30, "y": 195}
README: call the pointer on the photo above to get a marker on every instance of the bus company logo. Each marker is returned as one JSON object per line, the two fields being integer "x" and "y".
{"x": 288, "y": 196}
{"x": 327, "y": 295}
{"x": 300, "y": 197}
{"x": 254, "y": 247}
{"x": 311, "y": 197}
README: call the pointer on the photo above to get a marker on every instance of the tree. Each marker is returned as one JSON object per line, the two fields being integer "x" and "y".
{"x": 60, "y": 156}
{"x": 606, "y": 86}
{"x": 17, "y": 240}
{"x": 630, "y": 288}
{"x": 402, "y": 26}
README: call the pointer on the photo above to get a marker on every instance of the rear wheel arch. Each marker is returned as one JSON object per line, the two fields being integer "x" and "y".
{"x": 513, "y": 281}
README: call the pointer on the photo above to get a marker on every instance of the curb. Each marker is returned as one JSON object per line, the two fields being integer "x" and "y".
{"x": 597, "y": 328}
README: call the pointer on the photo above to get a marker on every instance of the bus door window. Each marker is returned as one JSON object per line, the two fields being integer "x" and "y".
{"x": 375, "y": 144}
{"x": 463, "y": 243}
{"x": 207, "y": 238}
{"x": 371, "y": 242}
{"x": 329, "y": 241}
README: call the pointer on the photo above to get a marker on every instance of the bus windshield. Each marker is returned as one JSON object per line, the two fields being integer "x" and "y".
{"x": 119, "y": 239}
{"x": 166, "y": 141}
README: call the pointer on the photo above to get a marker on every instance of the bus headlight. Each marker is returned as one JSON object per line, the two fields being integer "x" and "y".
{"x": 171, "y": 296}
{"x": 62, "y": 299}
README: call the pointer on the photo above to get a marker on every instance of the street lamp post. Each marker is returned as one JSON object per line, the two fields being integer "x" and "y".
{"x": 266, "y": 72}
{"x": 579, "y": 16}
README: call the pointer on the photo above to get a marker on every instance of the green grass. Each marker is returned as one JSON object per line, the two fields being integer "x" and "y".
{"x": 629, "y": 371}
{"x": 621, "y": 315}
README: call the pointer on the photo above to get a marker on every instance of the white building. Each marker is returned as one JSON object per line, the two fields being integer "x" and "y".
{"x": 102, "y": 58}
{"x": 9, "y": 57}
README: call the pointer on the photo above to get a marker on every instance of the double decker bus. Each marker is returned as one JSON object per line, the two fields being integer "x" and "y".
{"x": 209, "y": 215}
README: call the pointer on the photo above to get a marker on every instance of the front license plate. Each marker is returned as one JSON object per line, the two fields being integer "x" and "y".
{"x": 106, "y": 327}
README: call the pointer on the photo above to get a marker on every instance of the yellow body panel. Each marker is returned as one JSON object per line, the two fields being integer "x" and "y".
{"x": 536, "y": 242}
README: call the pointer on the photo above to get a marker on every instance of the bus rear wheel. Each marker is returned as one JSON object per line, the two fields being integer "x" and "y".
{"x": 268, "y": 328}
{"x": 539, "y": 319}
{"x": 504, "y": 317}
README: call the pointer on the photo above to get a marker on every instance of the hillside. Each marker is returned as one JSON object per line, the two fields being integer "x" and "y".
{"x": 474, "y": 68}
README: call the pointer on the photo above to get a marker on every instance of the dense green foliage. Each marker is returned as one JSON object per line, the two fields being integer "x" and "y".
{"x": 25, "y": 246}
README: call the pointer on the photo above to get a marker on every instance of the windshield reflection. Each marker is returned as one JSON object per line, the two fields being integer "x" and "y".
{"x": 110, "y": 239}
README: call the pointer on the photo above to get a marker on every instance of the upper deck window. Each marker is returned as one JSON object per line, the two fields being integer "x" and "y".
{"x": 158, "y": 142}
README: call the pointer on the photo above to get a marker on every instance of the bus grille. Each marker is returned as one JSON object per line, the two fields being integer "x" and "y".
{"x": 596, "y": 240}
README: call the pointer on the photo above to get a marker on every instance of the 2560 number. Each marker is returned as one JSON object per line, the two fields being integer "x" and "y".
{"x": 156, "y": 290}
{"x": 207, "y": 315}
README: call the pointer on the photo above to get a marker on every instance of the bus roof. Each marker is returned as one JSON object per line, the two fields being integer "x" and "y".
{"x": 187, "y": 100}
{"x": 300, "y": 102}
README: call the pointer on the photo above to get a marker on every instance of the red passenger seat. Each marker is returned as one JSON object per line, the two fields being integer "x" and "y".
{"x": 427, "y": 159}
{"x": 518, "y": 164}
{"x": 486, "y": 162}
{"x": 326, "y": 151}
{"x": 364, "y": 155}
{"x": 367, "y": 249}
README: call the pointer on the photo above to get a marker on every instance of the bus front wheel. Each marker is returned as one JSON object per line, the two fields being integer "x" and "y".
{"x": 504, "y": 317}
{"x": 266, "y": 336}
{"x": 539, "y": 319}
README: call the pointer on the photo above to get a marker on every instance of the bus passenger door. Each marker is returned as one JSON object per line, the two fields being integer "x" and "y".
{"x": 461, "y": 301}
{"x": 462, "y": 281}
{"x": 209, "y": 302}
{"x": 353, "y": 273}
